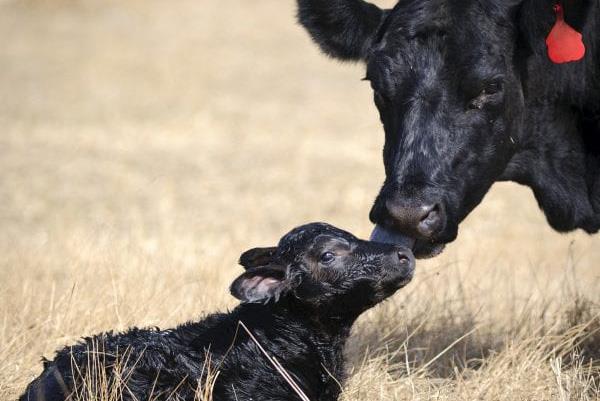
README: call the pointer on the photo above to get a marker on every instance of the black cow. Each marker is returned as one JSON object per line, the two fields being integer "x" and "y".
{"x": 468, "y": 96}
{"x": 299, "y": 301}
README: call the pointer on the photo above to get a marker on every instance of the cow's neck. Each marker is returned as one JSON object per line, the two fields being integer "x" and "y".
{"x": 559, "y": 145}
{"x": 555, "y": 162}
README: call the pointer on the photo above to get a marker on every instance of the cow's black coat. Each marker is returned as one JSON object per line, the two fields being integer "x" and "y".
{"x": 299, "y": 301}
{"x": 468, "y": 97}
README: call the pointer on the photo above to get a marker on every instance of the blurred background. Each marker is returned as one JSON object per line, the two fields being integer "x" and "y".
{"x": 145, "y": 144}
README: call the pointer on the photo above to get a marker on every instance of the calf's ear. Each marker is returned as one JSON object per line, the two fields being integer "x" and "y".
{"x": 258, "y": 257}
{"x": 261, "y": 284}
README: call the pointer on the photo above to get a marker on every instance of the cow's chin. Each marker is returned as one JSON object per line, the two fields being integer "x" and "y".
{"x": 422, "y": 249}
{"x": 426, "y": 250}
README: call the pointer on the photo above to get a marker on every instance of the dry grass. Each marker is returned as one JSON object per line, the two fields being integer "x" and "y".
{"x": 145, "y": 144}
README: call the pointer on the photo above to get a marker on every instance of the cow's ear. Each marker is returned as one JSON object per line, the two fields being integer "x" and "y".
{"x": 261, "y": 284}
{"x": 258, "y": 257}
{"x": 344, "y": 29}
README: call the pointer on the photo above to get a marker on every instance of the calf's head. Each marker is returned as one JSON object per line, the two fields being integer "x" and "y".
{"x": 450, "y": 99}
{"x": 325, "y": 269}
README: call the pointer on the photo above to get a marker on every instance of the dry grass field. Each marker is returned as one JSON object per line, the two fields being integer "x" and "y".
{"x": 145, "y": 144}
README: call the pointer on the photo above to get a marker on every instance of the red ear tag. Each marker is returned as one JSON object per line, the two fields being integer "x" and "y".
{"x": 564, "y": 43}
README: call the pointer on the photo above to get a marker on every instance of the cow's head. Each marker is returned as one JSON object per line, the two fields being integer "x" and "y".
{"x": 445, "y": 83}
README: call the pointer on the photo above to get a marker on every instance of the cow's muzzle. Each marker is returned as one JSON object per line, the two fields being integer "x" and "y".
{"x": 422, "y": 249}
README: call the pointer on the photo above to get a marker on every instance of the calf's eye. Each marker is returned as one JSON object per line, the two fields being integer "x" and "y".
{"x": 327, "y": 257}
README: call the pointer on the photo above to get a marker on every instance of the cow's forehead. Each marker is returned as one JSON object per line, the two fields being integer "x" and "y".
{"x": 453, "y": 20}
{"x": 414, "y": 17}
{"x": 437, "y": 46}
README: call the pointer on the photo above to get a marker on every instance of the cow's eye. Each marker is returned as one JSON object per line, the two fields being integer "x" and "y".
{"x": 492, "y": 87}
{"x": 477, "y": 103}
{"x": 327, "y": 257}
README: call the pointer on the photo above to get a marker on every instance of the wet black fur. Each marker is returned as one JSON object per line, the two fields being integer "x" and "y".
{"x": 299, "y": 299}
{"x": 468, "y": 97}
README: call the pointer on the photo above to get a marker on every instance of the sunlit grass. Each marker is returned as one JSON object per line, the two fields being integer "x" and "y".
{"x": 145, "y": 145}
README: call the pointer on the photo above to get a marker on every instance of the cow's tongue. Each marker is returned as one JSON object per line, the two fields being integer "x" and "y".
{"x": 421, "y": 249}
{"x": 381, "y": 234}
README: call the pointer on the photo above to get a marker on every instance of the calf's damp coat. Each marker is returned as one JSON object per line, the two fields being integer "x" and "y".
{"x": 299, "y": 300}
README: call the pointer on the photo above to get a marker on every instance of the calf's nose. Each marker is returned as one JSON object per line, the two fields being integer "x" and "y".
{"x": 405, "y": 260}
{"x": 404, "y": 257}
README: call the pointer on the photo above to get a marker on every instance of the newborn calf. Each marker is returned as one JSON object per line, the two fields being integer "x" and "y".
{"x": 299, "y": 300}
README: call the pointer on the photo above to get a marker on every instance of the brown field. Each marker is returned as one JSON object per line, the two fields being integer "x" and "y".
{"x": 146, "y": 144}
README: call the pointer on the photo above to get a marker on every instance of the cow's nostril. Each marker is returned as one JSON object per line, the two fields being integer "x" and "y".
{"x": 431, "y": 214}
{"x": 431, "y": 220}
{"x": 415, "y": 221}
